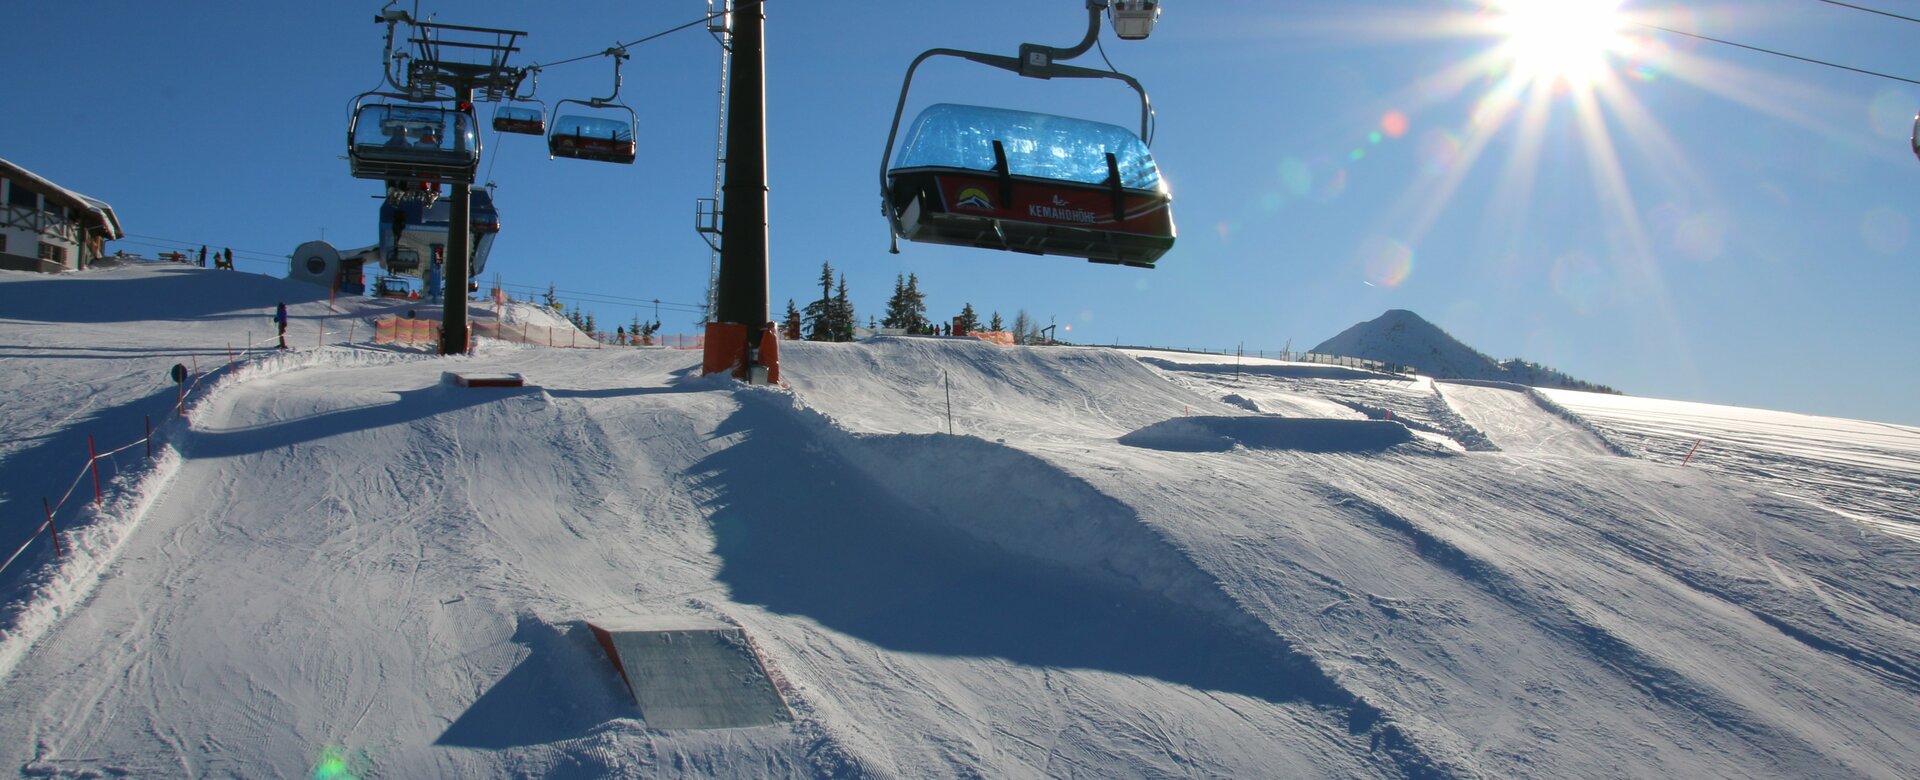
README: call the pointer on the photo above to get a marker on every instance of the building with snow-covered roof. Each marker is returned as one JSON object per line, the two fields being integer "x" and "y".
{"x": 47, "y": 227}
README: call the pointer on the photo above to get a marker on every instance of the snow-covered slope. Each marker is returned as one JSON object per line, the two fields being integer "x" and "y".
{"x": 1864, "y": 471}
{"x": 1110, "y": 567}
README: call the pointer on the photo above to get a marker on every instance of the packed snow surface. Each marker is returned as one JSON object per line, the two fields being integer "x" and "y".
{"x": 955, "y": 559}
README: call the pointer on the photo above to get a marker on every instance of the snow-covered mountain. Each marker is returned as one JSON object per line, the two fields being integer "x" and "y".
{"x": 956, "y": 560}
{"x": 1401, "y": 337}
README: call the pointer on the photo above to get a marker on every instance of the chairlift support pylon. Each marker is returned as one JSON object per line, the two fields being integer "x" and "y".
{"x": 597, "y": 138}
{"x": 471, "y": 63}
{"x": 1111, "y": 207}
{"x": 706, "y": 211}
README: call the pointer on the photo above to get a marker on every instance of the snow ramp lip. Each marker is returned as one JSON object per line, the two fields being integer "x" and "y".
{"x": 1207, "y": 433}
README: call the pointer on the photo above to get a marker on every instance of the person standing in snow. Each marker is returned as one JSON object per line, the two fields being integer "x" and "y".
{"x": 203, "y": 255}
{"x": 280, "y": 319}
{"x": 433, "y": 282}
{"x": 229, "y": 258}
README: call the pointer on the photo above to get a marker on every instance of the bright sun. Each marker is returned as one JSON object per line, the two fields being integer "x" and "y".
{"x": 1559, "y": 40}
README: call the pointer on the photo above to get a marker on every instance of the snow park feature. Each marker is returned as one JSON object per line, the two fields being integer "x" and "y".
{"x": 692, "y": 673}
{"x": 339, "y": 561}
{"x": 486, "y": 380}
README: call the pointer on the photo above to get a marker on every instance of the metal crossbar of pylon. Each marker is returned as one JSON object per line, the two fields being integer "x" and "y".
{"x": 484, "y": 70}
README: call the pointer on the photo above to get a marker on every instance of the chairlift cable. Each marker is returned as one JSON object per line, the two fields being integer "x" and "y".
{"x": 492, "y": 158}
{"x": 1781, "y": 54}
{"x": 608, "y": 300}
{"x": 662, "y": 34}
{"x": 1869, "y": 10}
{"x": 1103, "y": 55}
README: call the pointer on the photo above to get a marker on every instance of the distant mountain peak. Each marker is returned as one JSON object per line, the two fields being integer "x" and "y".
{"x": 1403, "y": 337}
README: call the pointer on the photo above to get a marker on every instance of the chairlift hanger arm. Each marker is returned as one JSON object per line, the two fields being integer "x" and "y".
{"x": 619, "y": 55}
{"x": 1010, "y": 64}
{"x": 1053, "y": 54}
{"x": 388, "y": 58}
{"x": 533, "y": 71}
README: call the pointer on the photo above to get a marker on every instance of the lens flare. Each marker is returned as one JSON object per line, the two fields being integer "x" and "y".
{"x": 1320, "y": 179}
{"x": 1385, "y": 262}
{"x": 1579, "y": 281}
{"x": 1884, "y": 230}
{"x": 1439, "y": 152}
{"x": 1645, "y": 59}
{"x": 1701, "y": 236}
{"x": 1891, "y": 113}
{"x": 1394, "y": 124}
{"x": 333, "y": 765}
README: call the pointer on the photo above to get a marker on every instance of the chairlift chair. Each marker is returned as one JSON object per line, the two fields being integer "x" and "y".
{"x": 410, "y": 230}
{"x": 1024, "y": 181}
{"x": 412, "y": 144}
{"x": 1029, "y": 182}
{"x": 521, "y": 119}
{"x": 393, "y": 287}
{"x": 1916, "y": 135}
{"x": 522, "y": 115}
{"x": 599, "y": 138}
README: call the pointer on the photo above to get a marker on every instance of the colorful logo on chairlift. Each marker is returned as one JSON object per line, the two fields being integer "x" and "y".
{"x": 974, "y": 198}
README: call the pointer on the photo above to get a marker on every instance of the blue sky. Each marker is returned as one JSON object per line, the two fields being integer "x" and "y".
{"x": 1714, "y": 224}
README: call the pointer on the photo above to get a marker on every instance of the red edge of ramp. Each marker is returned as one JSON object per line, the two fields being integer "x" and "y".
{"x": 606, "y": 643}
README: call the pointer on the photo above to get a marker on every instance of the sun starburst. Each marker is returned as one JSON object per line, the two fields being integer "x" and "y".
{"x": 1552, "y": 42}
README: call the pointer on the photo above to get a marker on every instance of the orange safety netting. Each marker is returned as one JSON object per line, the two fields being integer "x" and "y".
{"x": 399, "y": 330}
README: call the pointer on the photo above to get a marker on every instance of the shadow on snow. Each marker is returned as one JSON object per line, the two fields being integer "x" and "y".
{"x": 801, "y": 533}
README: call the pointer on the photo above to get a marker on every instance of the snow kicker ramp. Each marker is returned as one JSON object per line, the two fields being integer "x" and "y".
{"x": 691, "y": 673}
{"x": 1512, "y": 417}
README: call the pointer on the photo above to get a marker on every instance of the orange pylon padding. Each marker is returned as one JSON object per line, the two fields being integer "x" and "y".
{"x": 725, "y": 349}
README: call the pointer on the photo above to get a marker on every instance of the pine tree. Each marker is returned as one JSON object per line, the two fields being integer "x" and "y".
{"x": 917, "y": 307}
{"x": 819, "y": 314}
{"x": 896, "y": 315}
{"x": 996, "y": 325}
{"x": 551, "y": 300}
{"x": 969, "y": 321}
{"x": 793, "y": 315}
{"x": 1022, "y": 328}
{"x": 842, "y": 313}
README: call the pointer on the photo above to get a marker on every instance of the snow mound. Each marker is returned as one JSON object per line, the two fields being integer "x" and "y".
{"x": 1222, "y": 434}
